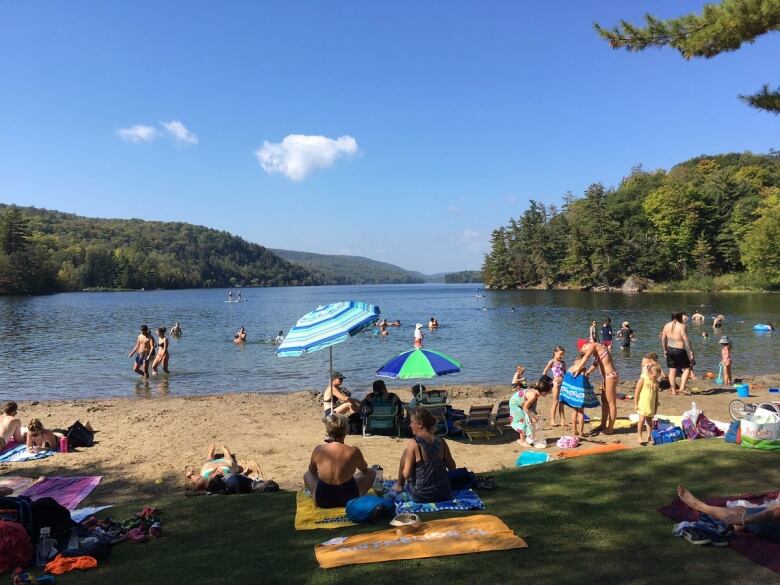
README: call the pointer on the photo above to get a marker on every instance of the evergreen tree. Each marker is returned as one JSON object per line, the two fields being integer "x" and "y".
{"x": 719, "y": 28}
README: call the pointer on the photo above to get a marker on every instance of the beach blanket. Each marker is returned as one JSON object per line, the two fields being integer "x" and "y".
{"x": 310, "y": 517}
{"x": 437, "y": 538}
{"x": 757, "y": 549}
{"x": 597, "y": 450}
{"x": 461, "y": 500}
{"x": 19, "y": 453}
{"x": 16, "y": 483}
{"x": 67, "y": 491}
{"x": 81, "y": 514}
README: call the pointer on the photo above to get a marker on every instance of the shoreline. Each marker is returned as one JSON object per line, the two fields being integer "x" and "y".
{"x": 142, "y": 446}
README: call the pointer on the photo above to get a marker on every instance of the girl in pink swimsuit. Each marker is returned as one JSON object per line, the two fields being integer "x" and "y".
{"x": 557, "y": 368}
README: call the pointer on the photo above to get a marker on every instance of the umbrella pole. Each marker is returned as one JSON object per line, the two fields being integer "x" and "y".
{"x": 330, "y": 376}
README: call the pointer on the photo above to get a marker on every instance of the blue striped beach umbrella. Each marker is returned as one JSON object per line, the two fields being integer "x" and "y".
{"x": 326, "y": 326}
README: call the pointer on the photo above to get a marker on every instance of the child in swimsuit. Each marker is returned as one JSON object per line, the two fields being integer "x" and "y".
{"x": 518, "y": 380}
{"x": 556, "y": 367}
{"x": 522, "y": 408}
{"x": 646, "y": 399}
{"x": 725, "y": 358}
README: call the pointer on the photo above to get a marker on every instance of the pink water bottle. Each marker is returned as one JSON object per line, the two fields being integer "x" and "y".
{"x": 63, "y": 444}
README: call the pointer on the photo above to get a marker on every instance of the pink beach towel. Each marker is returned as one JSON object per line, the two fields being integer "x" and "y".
{"x": 758, "y": 550}
{"x": 67, "y": 491}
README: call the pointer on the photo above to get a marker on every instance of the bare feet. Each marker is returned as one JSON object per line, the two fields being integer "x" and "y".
{"x": 688, "y": 498}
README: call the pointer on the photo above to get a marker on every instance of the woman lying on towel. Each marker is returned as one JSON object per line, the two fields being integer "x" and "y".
{"x": 40, "y": 438}
{"x": 763, "y": 521}
{"x": 426, "y": 459}
{"x": 221, "y": 473}
{"x": 337, "y": 472}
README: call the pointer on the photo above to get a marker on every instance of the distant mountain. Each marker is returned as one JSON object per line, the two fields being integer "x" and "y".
{"x": 44, "y": 251}
{"x": 340, "y": 269}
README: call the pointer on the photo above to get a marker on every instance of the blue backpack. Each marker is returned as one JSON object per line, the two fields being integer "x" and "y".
{"x": 369, "y": 508}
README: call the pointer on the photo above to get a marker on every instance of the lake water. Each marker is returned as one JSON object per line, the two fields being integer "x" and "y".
{"x": 76, "y": 344}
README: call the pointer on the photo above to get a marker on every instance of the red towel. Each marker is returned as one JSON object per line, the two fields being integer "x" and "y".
{"x": 759, "y": 550}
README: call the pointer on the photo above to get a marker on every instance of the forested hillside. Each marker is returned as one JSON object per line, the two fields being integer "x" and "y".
{"x": 463, "y": 276}
{"x": 340, "y": 269}
{"x": 43, "y": 251}
{"x": 712, "y": 222}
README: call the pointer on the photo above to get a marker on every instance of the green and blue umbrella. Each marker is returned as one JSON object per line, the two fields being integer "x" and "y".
{"x": 419, "y": 363}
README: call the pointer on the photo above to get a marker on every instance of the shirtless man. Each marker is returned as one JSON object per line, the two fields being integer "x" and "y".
{"x": 697, "y": 317}
{"x": 337, "y": 472}
{"x": 143, "y": 348}
{"x": 10, "y": 426}
{"x": 678, "y": 351}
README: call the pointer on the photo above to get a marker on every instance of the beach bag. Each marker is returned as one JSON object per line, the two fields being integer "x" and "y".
{"x": 461, "y": 478}
{"x": 369, "y": 508}
{"x": 733, "y": 435}
{"x": 14, "y": 509}
{"x": 706, "y": 428}
{"x": 79, "y": 436}
{"x": 355, "y": 424}
{"x": 16, "y": 550}
{"x": 48, "y": 512}
{"x": 667, "y": 435}
{"x": 761, "y": 430}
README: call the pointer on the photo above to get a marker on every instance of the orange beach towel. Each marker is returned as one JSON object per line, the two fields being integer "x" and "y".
{"x": 437, "y": 538}
{"x": 597, "y": 450}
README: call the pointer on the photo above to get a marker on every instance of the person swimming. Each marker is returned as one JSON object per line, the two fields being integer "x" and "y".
{"x": 240, "y": 336}
{"x": 176, "y": 330}
{"x": 279, "y": 337}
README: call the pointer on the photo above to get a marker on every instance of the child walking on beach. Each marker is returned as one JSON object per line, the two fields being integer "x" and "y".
{"x": 557, "y": 368}
{"x": 725, "y": 359}
{"x": 646, "y": 400}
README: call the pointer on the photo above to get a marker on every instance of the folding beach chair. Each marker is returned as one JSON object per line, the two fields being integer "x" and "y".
{"x": 478, "y": 423}
{"x": 502, "y": 418}
{"x": 383, "y": 417}
{"x": 435, "y": 402}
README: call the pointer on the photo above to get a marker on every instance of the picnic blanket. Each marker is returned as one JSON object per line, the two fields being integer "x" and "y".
{"x": 310, "y": 517}
{"x": 437, "y": 538}
{"x": 757, "y": 549}
{"x": 67, "y": 491}
{"x": 461, "y": 500}
{"x": 19, "y": 453}
{"x": 596, "y": 450}
{"x": 16, "y": 483}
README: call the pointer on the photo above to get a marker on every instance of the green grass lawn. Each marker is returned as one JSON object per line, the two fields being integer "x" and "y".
{"x": 587, "y": 520}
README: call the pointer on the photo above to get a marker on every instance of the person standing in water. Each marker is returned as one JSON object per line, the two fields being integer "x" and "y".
{"x": 230, "y": 295}
{"x": 279, "y": 337}
{"x": 418, "y": 335}
{"x": 142, "y": 350}
{"x": 593, "y": 334}
{"x": 162, "y": 354}
{"x": 606, "y": 333}
{"x": 240, "y": 336}
{"x": 176, "y": 330}
{"x": 239, "y": 296}
{"x": 678, "y": 351}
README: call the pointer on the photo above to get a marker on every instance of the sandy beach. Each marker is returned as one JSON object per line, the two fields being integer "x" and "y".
{"x": 143, "y": 445}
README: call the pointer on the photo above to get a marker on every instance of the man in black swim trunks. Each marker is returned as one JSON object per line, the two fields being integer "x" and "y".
{"x": 337, "y": 472}
{"x": 678, "y": 351}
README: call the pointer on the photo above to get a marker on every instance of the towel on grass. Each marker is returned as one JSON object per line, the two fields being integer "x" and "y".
{"x": 531, "y": 458}
{"x": 310, "y": 517}
{"x": 19, "y": 453}
{"x": 461, "y": 500}
{"x": 597, "y": 450}
{"x": 620, "y": 423}
{"x": 67, "y": 491}
{"x": 437, "y": 538}
{"x": 757, "y": 549}
{"x": 16, "y": 483}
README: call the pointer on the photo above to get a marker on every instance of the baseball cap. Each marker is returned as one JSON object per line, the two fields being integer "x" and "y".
{"x": 336, "y": 374}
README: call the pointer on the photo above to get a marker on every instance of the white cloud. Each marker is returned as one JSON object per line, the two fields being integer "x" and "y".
{"x": 453, "y": 209}
{"x": 473, "y": 239}
{"x": 511, "y": 199}
{"x": 299, "y": 155}
{"x": 180, "y": 132}
{"x": 138, "y": 133}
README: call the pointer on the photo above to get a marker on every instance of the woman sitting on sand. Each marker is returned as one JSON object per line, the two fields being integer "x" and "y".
{"x": 425, "y": 461}
{"x": 337, "y": 472}
{"x": 218, "y": 471}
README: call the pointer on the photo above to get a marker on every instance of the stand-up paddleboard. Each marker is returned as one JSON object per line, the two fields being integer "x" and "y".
{"x": 241, "y": 301}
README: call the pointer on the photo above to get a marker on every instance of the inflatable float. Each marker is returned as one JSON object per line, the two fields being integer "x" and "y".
{"x": 762, "y": 327}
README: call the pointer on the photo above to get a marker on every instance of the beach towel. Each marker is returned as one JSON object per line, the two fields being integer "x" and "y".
{"x": 16, "y": 483}
{"x": 437, "y": 538}
{"x": 577, "y": 392}
{"x": 310, "y": 517}
{"x": 597, "y": 450}
{"x": 19, "y": 453}
{"x": 759, "y": 550}
{"x": 66, "y": 491}
{"x": 461, "y": 500}
{"x": 531, "y": 458}
{"x": 620, "y": 423}
{"x": 80, "y": 514}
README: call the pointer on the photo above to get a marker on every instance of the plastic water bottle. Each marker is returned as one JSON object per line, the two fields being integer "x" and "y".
{"x": 379, "y": 486}
{"x": 46, "y": 547}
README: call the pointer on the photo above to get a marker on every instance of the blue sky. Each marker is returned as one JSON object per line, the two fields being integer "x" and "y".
{"x": 437, "y": 121}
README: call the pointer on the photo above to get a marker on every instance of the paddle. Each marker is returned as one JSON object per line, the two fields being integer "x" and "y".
{"x": 719, "y": 379}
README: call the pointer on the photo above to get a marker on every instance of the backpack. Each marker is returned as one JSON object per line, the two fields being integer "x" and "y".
{"x": 355, "y": 424}
{"x": 706, "y": 428}
{"x": 15, "y": 547}
{"x": 369, "y": 508}
{"x": 461, "y": 478}
{"x": 17, "y": 510}
{"x": 48, "y": 512}
{"x": 79, "y": 436}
